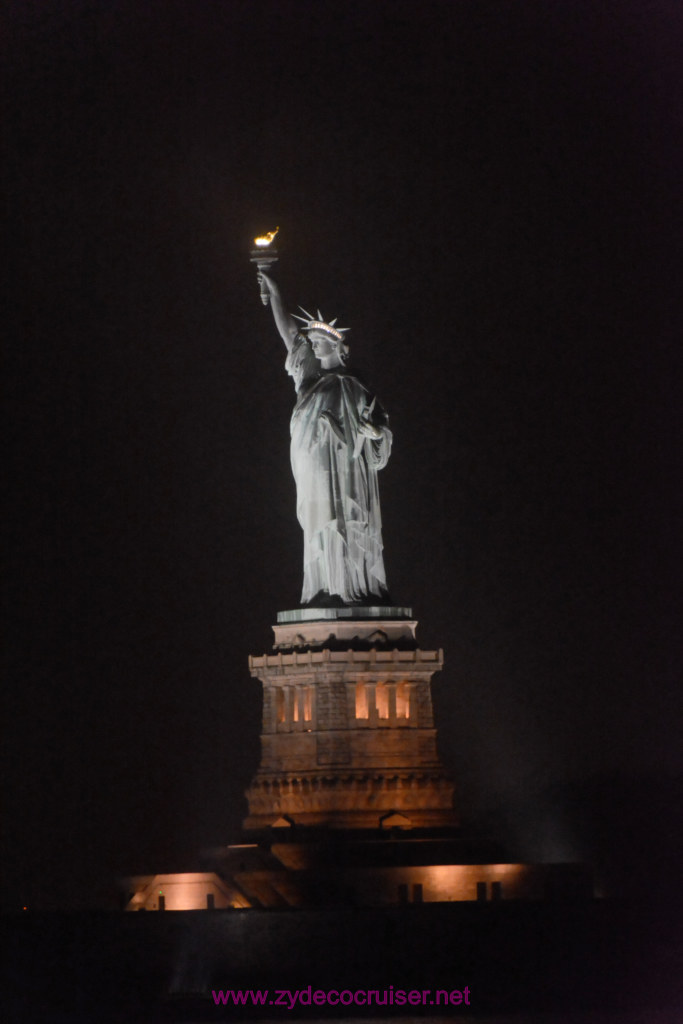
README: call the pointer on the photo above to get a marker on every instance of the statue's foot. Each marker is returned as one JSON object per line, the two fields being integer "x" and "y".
{"x": 323, "y": 599}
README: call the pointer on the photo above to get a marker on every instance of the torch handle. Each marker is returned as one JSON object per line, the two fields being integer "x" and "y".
{"x": 264, "y": 261}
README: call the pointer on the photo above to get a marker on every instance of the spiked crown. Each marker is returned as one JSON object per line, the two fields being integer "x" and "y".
{"x": 311, "y": 324}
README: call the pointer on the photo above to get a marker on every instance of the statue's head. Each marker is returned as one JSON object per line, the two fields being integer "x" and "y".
{"x": 324, "y": 344}
{"x": 325, "y": 338}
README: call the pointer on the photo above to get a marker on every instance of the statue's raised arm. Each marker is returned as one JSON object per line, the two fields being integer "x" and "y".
{"x": 283, "y": 321}
{"x": 339, "y": 440}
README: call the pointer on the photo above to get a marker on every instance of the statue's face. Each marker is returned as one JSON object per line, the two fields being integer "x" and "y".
{"x": 322, "y": 345}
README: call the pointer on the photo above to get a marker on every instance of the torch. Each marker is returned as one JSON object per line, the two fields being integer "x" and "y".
{"x": 263, "y": 255}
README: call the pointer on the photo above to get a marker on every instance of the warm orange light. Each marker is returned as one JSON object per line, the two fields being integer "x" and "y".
{"x": 264, "y": 240}
{"x": 403, "y": 700}
{"x": 183, "y": 891}
{"x": 361, "y": 701}
{"x": 382, "y": 700}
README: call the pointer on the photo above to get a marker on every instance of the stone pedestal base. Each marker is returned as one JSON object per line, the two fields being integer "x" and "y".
{"x": 348, "y": 737}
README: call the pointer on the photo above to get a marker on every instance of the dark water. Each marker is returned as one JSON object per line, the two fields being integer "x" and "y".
{"x": 589, "y": 964}
{"x": 552, "y": 1017}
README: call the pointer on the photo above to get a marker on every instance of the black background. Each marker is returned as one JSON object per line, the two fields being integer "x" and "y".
{"x": 487, "y": 194}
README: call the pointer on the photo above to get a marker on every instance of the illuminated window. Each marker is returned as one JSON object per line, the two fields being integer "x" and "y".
{"x": 361, "y": 701}
{"x": 308, "y": 704}
{"x": 382, "y": 700}
{"x": 403, "y": 700}
{"x": 280, "y": 704}
{"x": 295, "y": 702}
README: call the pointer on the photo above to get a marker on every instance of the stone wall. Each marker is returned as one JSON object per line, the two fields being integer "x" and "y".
{"x": 348, "y": 735}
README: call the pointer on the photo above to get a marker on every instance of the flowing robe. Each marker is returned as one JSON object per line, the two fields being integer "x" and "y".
{"x": 335, "y": 469}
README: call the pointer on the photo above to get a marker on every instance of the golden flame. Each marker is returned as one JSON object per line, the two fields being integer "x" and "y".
{"x": 266, "y": 239}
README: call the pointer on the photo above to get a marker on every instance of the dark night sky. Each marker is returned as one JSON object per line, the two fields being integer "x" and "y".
{"x": 488, "y": 194}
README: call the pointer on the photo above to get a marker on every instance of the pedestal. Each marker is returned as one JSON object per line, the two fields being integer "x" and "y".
{"x": 348, "y": 737}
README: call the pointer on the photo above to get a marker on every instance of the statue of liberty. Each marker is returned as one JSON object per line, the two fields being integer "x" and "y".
{"x": 339, "y": 442}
